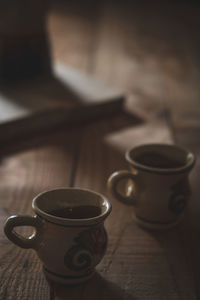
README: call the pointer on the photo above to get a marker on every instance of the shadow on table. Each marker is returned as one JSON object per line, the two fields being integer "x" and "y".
{"x": 97, "y": 288}
{"x": 181, "y": 246}
{"x": 62, "y": 134}
{"x": 65, "y": 97}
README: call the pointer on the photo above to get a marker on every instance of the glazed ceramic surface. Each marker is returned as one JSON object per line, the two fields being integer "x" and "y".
{"x": 159, "y": 194}
{"x": 68, "y": 248}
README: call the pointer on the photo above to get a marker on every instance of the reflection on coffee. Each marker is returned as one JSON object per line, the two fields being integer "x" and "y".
{"x": 77, "y": 212}
{"x": 157, "y": 160}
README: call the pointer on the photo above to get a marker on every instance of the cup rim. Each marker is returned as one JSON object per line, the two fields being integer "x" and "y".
{"x": 188, "y": 166}
{"x": 67, "y": 221}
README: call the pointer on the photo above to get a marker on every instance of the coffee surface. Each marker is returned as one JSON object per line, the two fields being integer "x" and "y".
{"x": 77, "y": 212}
{"x": 157, "y": 160}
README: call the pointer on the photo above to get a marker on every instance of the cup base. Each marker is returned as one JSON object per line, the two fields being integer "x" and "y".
{"x": 66, "y": 280}
{"x": 155, "y": 225}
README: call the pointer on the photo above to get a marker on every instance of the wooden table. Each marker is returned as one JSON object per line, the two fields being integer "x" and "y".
{"x": 151, "y": 51}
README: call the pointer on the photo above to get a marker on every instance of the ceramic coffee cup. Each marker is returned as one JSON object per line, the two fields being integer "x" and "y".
{"x": 157, "y": 183}
{"x": 70, "y": 238}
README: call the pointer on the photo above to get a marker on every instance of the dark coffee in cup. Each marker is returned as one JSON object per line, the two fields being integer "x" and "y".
{"x": 77, "y": 212}
{"x": 157, "y": 160}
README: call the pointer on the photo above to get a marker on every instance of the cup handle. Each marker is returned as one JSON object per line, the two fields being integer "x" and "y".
{"x": 113, "y": 182}
{"x": 18, "y": 239}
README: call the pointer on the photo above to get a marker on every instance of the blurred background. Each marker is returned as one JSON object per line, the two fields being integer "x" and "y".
{"x": 147, "y": 49}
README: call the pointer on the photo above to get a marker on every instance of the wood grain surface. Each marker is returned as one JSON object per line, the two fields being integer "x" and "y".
{"x": 150, "y": 50}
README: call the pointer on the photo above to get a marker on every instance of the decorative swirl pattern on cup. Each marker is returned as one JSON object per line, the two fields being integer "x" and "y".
{"x": 179, "y": 196}
{"x": 88, "y": 249}
{"x": 78, "y": 259}
{"x": 177, "y": 203}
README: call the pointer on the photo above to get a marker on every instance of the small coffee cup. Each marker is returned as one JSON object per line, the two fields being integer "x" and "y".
{"x": 70, "y": 238}
{"x": 157, "y": 184}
